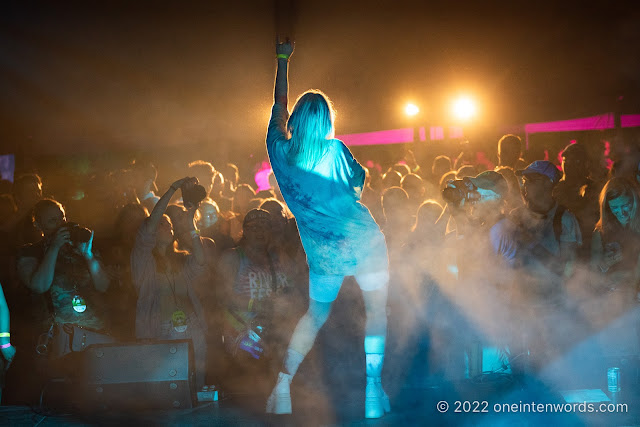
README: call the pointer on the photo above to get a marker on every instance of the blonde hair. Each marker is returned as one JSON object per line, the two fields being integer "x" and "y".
{"x": 310, "y": 125}
{"x": 614, "y": 188}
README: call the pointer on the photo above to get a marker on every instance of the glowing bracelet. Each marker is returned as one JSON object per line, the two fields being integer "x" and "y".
{"x": 282, "y": 56}
{"x": 7, "y": 345}
{"x": 4, "y": 334}
{"x": 195, "y": 233}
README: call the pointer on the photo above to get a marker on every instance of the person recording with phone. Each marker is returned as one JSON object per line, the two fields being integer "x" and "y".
{"x": 164, "y": 277}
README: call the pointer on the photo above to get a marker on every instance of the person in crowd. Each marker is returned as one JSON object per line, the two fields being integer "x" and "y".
{"x": 265, "y": 194}
{"x": 371, "y": 196}
{"x": 510, "y": 152}
{"x": 540, "y": 241}
{"x": 181, "y": 221}
{"x": 398, "y": 219}
{"x": 402, "y": 168}
{"x": 168, "y": 307}
{"x": 424, "y": 228}
{"x": 7, "y": 351}
{"x": 66, "y": 283}
{"x": 414, "y": 186}
{"x": 63, "y": 265}
{"x": 284, "y": 231}
{"x": 477, "y": 204}
{"x": 322, "y": 184}
{"x": 213, "y": 225}
{"x": 239, "y": 207}
{"x": 205, "y": 173}
{"x": 625, "y": 164}
{"x": 426, "y": 240}
{"x": 391, "y": 178}
{"x": 231, "y": 175}
{"x": 375, "y": 177}
{"x": 513, "y": 198}
{"x": 441, "y": 165}
{"x": 221, "y": 192}
{"x": 615, "y": 243}
{"x": 444, "y": 182}
{"x": 255, "y": 203}
{"x": 466, "y": 170}
{"x": 117, "y": 258}
{"x": 466, "y": 157}
{"x": 414, "y": 298}
{"x": 273, "y": 183}
{"x": 257, "y": 281}
{"x": 578, "y": 192}
{"x": 243, "y": 195}
{"x": 144, "y": 175}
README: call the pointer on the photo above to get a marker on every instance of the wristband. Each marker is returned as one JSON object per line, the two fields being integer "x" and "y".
{"x": 282, "y": 56}
{"x": 7, "y": 345}
{"x": 4, "y": 334}
{"x": 195, "y": 233}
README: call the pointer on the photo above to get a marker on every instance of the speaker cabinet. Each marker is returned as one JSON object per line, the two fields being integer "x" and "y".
{"x": 137, "y": 376}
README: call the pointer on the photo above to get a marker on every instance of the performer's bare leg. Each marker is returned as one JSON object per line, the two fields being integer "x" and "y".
{"x": 307, "y": 329}
{"x": 375, "y": 303}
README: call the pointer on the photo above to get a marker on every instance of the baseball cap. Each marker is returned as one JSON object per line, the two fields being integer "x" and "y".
{"x": 490, "y": 180}
{"x": 255, "y": 215}
{"x": 541, "y": 167}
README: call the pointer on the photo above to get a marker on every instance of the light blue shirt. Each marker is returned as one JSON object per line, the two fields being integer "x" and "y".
{"x": 338, "y": 233}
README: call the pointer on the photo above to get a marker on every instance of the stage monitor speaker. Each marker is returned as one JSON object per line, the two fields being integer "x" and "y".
{"x": 137, "y": 376}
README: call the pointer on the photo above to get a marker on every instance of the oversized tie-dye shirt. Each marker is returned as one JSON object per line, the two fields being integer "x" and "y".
{"x": 338, "y": 233}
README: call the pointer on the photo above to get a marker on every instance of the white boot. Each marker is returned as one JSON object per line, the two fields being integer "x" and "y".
{"x": 279, "y": 401}
{"x": 376, "y": 400}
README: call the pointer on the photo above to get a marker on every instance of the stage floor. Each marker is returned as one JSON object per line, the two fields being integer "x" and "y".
{"x": 410, "y": 406}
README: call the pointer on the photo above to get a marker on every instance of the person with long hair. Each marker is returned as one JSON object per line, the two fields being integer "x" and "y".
{"x": 616, "y": 240}
{"x": 168, "y": 306}
{"x": 322, "y": 183}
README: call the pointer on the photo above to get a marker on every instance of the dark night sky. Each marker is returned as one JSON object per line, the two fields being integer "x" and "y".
{"x": 117, "y": 76}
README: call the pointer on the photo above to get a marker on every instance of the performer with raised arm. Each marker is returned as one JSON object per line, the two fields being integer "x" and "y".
{"x": 321, "y": 183}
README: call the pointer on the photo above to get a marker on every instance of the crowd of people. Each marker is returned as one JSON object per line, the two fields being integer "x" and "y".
{"x": 530, "y": 258}
{"x": 519, "y": 256}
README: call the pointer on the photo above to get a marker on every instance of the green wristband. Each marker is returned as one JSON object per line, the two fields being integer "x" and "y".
{"x": 282, "y": 56}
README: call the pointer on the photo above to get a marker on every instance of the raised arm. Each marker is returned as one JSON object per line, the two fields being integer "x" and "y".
{"x": 283, "y": 53}
{"x": 38, "y": 275}
{"x": 152, "y": 222}
{"x": 198, "y": 249}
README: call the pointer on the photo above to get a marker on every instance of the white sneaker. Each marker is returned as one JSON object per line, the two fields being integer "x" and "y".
{"x": 279, "y": 401}
{"x": 376, "y": 400}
